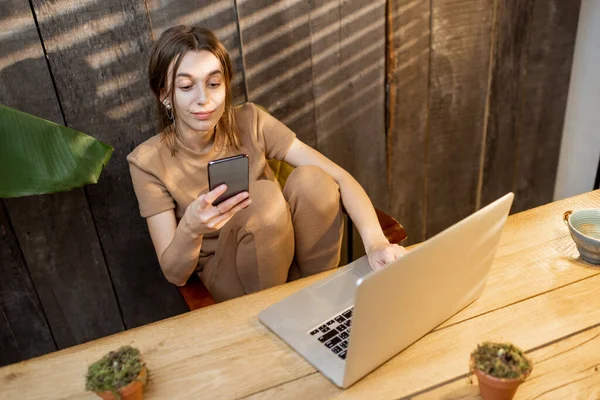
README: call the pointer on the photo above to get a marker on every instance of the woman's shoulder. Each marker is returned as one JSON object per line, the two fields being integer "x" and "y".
{"x": 245, "y": 112}
{"x": 147, "y": 152}
{"x": 251, "y": 117}
{"x": 250, "y": 111}
{"x": 246, "y": 119}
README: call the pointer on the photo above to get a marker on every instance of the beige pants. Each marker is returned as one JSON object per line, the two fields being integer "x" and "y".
{"x": 279, "y": 237}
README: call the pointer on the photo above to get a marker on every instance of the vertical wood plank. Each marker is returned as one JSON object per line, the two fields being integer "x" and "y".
{"x": 347, "y": 45}
{"x": 56, "y": 232}
{"x": 99, "y": 64}
{"x": 532, "y": 63}
{"x": 217, "y": 15}
{"x": 9, "y": 349}
{"x": 67, "y": 266}
{"x": 511, "y": 37}
{"x": 276, "y": 42}
{"x": 25, "y": 83}
{"x": 460, "y": 54}
{"x": 409, "y": 36}
{"x": 24, "y": 332}
{"x": 545, "y": 88}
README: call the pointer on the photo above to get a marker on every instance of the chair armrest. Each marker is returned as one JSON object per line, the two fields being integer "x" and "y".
{"x": 392, "y": 229}
{"x": 195, "y": 294}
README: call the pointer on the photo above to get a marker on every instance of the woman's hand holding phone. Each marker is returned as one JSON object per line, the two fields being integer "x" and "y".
{"x": 202, "y": 217}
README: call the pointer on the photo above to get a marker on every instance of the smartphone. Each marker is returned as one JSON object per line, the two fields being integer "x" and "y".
{"x": 232, "y": 171}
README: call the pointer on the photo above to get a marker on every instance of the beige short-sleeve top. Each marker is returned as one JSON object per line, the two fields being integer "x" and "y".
{"x": 163, "y": 181}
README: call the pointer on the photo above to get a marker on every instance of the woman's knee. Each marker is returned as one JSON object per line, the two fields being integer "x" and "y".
{"x": 268, "y": 208}
{"x": 266, "y": 241}
{"x": 312, "y": 184}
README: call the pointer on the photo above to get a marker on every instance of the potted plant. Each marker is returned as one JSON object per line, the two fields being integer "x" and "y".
{"x": 119, "y": 375}
{"x": 500, "y": 369}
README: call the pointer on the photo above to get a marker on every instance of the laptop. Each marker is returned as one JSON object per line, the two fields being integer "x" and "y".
{"x": 356, "y": 319}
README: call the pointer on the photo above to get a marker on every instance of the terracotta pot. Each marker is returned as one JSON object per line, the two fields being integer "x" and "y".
{"x": 133, "y": 391}
{"x": 491, "y": 388}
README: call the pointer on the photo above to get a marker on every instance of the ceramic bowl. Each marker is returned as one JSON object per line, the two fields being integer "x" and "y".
{"x": 584, "y": 226}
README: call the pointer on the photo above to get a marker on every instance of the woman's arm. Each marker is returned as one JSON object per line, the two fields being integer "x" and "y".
{"x": 178, "y": 246}
{"x": 355, "y": 200}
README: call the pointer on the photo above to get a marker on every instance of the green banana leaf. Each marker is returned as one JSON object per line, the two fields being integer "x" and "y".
{"x": 38, "y": 156}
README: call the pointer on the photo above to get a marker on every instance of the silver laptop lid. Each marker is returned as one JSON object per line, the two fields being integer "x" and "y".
{"x": 403, "y": 302}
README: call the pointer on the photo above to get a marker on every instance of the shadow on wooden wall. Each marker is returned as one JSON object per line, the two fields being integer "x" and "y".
{"x": 437, "y": 108}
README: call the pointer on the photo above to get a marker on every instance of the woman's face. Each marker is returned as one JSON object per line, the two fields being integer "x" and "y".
{"x": 199, "y": 92}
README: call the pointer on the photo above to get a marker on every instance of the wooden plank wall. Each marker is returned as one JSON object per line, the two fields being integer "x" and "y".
{"x": 527, "y": 99}
{"x": 477, "y": 99}
{"x": 436, "y": 107}
{"x": 24, "y": 329}
{"x": 460, "y": 48}
{"x": 409, "y": 40}
{"x": 78, "y": 303}
{"x": 97, "y": 65}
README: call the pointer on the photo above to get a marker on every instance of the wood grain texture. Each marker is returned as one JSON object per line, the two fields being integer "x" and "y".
{"x": 24, "y": 331}
{"x": 511, "y": 39}
{"x": 276, "y": 40}
{"x": 25, "y": 82}
{"x": 99, "y": 65}
{"x": 347, "y": 48}
{"x": 409, "y": 36}
{"x": 560, "y": 370}
{"x": 532, "y": 61}
{"x": 460, "y": 52}
{"x": 219, "y": 16}
{"x": 8, "y": 342}
{"x": 66, "y": 264}
{"x": 47, "y": 227}
{"x": 444, "y": 354}
{"x": 521, "y": 235}
{"x": 199, "y": 352}
{"x": 160, "y": 346}
{"x": 545, "y": 87}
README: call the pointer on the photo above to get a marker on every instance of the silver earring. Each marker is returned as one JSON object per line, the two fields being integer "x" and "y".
{"x": 168, "y": 109}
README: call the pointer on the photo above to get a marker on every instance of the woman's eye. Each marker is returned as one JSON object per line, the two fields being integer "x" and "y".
{"x": 214, "y": 84}
{"x": 185, "y": 87}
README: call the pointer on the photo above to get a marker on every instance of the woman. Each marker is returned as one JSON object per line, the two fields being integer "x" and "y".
{"x": 253, "y": 240}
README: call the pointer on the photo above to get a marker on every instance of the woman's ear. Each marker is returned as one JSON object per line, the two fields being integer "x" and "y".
{"x": 165, "y": 99}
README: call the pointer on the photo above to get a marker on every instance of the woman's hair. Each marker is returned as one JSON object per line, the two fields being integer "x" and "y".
{"x": 169, "y": 50}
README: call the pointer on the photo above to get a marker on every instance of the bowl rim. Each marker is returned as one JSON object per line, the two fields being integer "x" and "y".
{"x": 577, "y": 230}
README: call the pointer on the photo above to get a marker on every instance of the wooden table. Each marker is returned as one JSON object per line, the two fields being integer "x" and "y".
{"x": 540, "y": 296}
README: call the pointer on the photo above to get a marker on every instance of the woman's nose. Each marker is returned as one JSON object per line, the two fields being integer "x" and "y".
{"x": 202, "y": 96}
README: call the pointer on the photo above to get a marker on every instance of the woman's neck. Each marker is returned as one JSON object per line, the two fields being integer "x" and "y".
{"x": 198, "y": 141}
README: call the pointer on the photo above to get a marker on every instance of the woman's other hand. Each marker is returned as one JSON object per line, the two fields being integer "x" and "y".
{"x": 201, "y": 217}
{"x": 382, "y": 253}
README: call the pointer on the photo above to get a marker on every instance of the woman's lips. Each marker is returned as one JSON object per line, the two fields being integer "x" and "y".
{"x": 204, "y": 115}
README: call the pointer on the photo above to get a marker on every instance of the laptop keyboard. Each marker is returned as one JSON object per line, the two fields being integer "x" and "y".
{"x": 335, "y": 332}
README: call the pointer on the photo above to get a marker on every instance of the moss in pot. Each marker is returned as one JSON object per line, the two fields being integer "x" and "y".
{"x": 120, "y": 375}
{"x": 500, "y": 369}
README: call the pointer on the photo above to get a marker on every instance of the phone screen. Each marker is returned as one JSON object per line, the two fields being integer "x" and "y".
{"x": 232, "y": 171}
